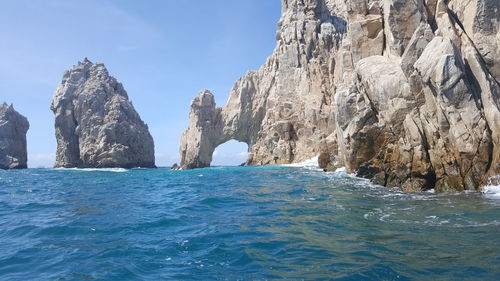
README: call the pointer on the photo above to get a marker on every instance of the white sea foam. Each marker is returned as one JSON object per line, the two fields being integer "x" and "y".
{"x": 309, "y": 164}
{"x": 114, "y": 170}
{"x": 312, "y": 164}
{"x": 341, "y": 170}
{"x": 491, "y": 191}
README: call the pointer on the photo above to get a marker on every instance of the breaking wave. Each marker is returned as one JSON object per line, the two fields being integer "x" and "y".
{"x": 309, "y": 164}
{"x": 492, "y": 191}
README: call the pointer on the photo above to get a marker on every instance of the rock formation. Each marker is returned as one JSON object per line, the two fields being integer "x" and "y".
{"x": 13, "y": 129}
{"x": 405, "y": 92}
{"x": 96, "y": 125}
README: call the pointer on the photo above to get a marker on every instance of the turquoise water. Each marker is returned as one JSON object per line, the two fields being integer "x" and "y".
{"x": 249, "y": 223}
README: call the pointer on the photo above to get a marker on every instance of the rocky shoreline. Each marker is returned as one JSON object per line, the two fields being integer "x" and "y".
{"x": 404, "y": 92}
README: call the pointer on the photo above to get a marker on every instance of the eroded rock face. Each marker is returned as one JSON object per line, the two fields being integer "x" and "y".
{"x": 13, "y": 129}
{"x": 403, "y": 92}
{"x": 282, "y": 111}
{"x": 96, "y": 125}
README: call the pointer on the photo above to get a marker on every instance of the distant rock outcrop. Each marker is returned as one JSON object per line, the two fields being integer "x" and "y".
{"x": 404, "y": 92}
{"x": 13, "y": 129}
{"x": 96, "y": 125}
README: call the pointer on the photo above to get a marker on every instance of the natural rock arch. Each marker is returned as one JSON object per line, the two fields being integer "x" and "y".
{"x": 283, "y": 110}
{"x": 211, "y": 126}
{"x": 406, "y": 93}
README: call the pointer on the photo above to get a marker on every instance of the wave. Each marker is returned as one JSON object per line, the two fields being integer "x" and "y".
{"x": 310, "y": 164}
{"x": 114, "y": 170}
{"x": 491, "y": 191}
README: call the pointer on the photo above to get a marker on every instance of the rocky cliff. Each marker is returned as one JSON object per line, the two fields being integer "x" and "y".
{"x": 405, "y": 92}
{"x": 13, "y": 129}
{"x": 96, "y": 125}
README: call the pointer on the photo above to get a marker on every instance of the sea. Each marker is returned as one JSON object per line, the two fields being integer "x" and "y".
{"x": 290, "y": 222}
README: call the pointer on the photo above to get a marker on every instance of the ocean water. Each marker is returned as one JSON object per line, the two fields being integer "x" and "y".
{"x": 239, "y": 223}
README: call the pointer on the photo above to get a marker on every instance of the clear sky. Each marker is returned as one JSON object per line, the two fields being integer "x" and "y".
{"x": 163, "y": 52}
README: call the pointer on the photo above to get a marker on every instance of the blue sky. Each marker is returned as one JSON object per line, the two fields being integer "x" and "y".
{"x": 163, "y": 51}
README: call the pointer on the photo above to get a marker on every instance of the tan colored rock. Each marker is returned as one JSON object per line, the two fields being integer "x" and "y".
{"x": 419, "y": 40}
{"x": 403, "y": 92}
{"x": 480, "y": 20}
{"x": 401, "y": 19}
{"x": 367, "y": 37}
{"x": 203, "y": 134}
{"x": 283, "y": 110}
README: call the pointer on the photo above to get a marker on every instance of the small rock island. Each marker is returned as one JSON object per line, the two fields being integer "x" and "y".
{"x": 96, "y": 125}
{"x": 13, "y": 129}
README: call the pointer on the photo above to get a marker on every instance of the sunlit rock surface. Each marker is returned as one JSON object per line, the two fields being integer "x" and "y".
{"x": 96, "y": 125}
{"x": 403, "y": 92}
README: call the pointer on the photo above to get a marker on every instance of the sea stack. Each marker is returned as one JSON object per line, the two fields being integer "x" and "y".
{"x": 96, "y": 125}
{"x": 13, "y": 129}
{"x": 403, "y": 92}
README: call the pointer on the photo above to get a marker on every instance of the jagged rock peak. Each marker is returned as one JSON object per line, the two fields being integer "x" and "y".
{"x": 403, "y": 92}
{"x": 13, "y": 129}
{"x": 204, "y": 132}
{"x": 96, "y": 125}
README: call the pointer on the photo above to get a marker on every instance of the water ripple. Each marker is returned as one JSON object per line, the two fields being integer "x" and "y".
{"x": 252, "y": 223}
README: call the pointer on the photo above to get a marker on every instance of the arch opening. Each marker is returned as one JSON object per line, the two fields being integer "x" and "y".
{"x": 230, "y": 153}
